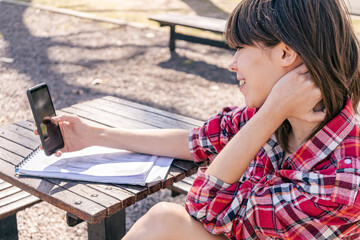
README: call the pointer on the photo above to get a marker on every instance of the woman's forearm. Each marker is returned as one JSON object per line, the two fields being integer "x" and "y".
{"x": 161, "y": 142}
{"x": 234, "y": 159}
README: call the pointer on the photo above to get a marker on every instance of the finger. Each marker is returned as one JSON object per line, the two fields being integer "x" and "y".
{"x": 58, "y": 153}
{"x": 71, "y": 118}
{"x": 36, "y": 132}
{"x": 41, "y": 147}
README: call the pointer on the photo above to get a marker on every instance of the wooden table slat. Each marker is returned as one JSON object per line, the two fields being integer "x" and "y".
{"x": 135, "y": 105}
{"x": 105, "y": 117}
{"x": 126, "y": 198}
{"x": 139, "y": 191}
{"x": 4, "y": 185}
{"x": 138, "y": 114}
{"x": 27, "y": 124}
{"x": 8, "y": 191}
{"x": 88, "y": 116}
{"x": 153, "y": 187}
{"x": 184, "y": 186}
{"x": 14, "y": 137}
{"x": 20, "y": 204}
{"x": 23, "y": 131}
{"x": 189, "y": 180}
{"x": 13, "y": 198}
{"x": 13, "y": 148}
{"x": 199, "y": 22}
{"x": 188, "y": 166}
{"x": 169, "y": 181}
{"x": 177, "y": 173}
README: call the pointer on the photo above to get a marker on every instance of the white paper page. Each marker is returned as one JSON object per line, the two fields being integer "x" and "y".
{"x": 93, "y": 161}
{"x": 159, "y": 170}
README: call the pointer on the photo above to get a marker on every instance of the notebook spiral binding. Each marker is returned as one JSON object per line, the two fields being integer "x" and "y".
{"x": 26, "y": 159}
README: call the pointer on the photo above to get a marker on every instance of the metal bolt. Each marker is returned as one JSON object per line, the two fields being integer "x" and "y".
{"x": 78, "y": 202}
{"x": 94, "y": 195}
{"x": 108, "y": 188}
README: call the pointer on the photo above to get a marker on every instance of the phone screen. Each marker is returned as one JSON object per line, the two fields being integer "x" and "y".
{"x": 43, "y": 111}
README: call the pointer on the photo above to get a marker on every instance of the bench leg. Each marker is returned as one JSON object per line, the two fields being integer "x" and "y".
{"x": 174, "y": 193}
{"x": 8, "y": 228}
{"x": 172, "y": 39}
{"x": 111, "y": 228}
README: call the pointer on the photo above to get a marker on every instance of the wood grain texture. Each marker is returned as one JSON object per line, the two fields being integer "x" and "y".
{"x": 92, "y": 202}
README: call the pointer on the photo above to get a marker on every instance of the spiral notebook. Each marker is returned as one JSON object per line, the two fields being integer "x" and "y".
{"x": 97, "y": 164}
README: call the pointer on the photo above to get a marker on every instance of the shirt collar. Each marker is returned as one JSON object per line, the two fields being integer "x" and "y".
{"x": 324, "y": 141}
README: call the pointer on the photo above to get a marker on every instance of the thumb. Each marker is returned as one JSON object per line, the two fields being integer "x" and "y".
{"x": 71, "y": 118}
{"x": 58, "y": 153}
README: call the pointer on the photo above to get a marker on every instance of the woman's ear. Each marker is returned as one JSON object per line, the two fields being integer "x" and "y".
{"x": 287, "y": 56}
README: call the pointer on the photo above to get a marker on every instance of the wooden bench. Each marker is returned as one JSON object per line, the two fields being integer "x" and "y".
{"x": 182, "y": 187}
{"x": 197, "y": 22}
{"x": 12, "y": 200}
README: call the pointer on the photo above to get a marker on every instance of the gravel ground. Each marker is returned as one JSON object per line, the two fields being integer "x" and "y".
{"x": 81, "y": 60}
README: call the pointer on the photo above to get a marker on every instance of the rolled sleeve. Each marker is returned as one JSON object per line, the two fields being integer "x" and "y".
{"x": 207, "y": 141}
{"x": 208, "y": 201}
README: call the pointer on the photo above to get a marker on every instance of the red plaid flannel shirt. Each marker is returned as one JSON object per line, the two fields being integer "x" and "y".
{"x": 310, "y": 195}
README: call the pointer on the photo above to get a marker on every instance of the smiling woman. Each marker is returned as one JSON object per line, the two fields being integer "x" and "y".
{"x": 287, "y": 159}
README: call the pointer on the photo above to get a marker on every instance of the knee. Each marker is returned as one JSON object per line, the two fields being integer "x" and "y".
{"x": 162, "y": 221}
{"x": 164, "y": 211}
{"x": 165, "y": 214}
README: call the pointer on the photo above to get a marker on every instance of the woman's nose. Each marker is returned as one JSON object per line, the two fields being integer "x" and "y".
{"x": 233, "y": 65}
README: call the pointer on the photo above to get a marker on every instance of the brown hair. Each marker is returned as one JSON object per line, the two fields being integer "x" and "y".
{"x": 319, "y": 32}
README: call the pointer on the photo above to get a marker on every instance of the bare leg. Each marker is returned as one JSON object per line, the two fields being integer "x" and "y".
{"x": 169, "y": 221}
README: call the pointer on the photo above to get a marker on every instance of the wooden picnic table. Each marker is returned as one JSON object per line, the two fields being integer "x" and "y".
{"x": 101, "y": 205}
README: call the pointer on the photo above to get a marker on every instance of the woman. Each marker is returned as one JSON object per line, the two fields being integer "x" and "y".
{"x": 286, "y": 165}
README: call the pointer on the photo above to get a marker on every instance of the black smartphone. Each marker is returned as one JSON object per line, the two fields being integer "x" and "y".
{"x": 43, "y": 110}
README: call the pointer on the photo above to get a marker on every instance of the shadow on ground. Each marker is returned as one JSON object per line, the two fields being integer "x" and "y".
{"x": 68, "y": 53}
{"x": 30, "y": 53}
{"x": 203, "y": 69}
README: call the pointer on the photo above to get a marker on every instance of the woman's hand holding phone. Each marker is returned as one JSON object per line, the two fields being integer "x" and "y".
{"x": 295, "y": 95}
{"x": 76, "y": 133}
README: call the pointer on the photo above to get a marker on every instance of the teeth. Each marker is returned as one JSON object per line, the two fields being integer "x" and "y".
{"x": 242, "y": 82}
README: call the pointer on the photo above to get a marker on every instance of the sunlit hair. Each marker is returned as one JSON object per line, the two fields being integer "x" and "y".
{"x": 319, "y": 32}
